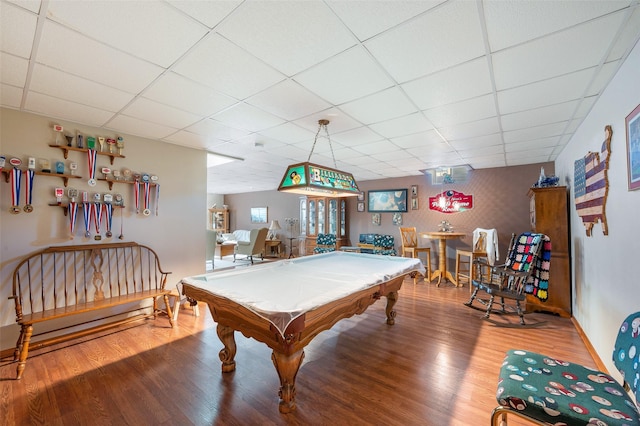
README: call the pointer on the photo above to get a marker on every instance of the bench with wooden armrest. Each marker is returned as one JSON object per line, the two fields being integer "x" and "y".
{"x": 87, "y": 281}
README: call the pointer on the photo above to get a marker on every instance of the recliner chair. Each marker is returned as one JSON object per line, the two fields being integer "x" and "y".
{"x": 255, "y": 245}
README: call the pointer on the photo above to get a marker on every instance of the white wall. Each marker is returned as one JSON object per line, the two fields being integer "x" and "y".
{"x": 606, "y": 287}
{"x": 176, "y": 234}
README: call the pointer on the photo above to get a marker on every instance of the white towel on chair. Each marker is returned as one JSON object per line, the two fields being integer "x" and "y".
{"x": 493, "y": 253}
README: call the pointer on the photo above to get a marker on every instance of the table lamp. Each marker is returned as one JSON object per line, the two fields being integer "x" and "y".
{"x": 275, "y": 226}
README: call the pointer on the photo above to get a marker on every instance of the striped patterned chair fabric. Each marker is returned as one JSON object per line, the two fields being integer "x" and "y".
{"x": 384, "y": 244}
{"x": 547, "y": 390}
{"x": 325, "y": 243}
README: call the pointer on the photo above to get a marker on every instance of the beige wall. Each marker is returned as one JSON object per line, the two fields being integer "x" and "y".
{"x": 176, "y": 234}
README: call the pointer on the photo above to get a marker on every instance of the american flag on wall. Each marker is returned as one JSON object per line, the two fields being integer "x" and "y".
{"x": 591, "y": 185}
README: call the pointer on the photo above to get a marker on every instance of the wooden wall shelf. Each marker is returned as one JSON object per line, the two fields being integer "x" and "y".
{"x": 66, "y": 149}
{"x": 64, "y": 176}
{"x": 112, "y": 181}
{"x": 65, "y": 206}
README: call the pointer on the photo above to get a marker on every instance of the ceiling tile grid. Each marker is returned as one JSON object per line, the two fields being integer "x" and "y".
{"x": 406, "y": 84}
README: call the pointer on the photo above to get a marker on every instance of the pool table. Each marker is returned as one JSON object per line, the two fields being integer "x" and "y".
{"x": 286, "y": 303}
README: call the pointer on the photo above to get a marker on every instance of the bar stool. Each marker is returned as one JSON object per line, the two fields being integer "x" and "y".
{"x": 410, "y": 245}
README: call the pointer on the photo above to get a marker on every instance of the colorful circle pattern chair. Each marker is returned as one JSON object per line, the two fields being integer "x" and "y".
{"x": 547, "y": 390}
{"x": 325, "y": 243}
{"x": 384, "y": 245}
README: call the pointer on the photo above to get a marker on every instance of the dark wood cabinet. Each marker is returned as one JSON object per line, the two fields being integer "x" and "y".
{"x": 548, "y": 215}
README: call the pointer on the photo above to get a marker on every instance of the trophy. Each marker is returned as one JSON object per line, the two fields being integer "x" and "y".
{"x": 73, "y": 167}
{"x": 59, "y": 167}
{"x": 59, "y": 193}
{"x": 116, "y": 174}
{"x": 101, "y": 142}
{"x": 120, "y": 144}
{"x": 69, "y": 139}
{"x": 31, "y": 163}
{"x": 111, "y": 142}
{"x": 91, "y": 142}
{"x": 2, "y": 160}
{"x": 72, "y": 193}
{"x": 58, "y": 129}
{"x": 105, "y": 172}
{"x": 126, "y": 173}
{"x": 80, "y": 140}
{"x": 45, "y": 166}
{"x": 118, "y": 200}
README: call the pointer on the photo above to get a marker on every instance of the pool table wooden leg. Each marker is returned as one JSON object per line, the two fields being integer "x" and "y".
{"x": 392, "y": 298}
{"x": 287, "y": 367}
{"x": 228, "y": 353}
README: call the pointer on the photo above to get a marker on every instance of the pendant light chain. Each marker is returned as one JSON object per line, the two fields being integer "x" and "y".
{"x": 322, "y": 124}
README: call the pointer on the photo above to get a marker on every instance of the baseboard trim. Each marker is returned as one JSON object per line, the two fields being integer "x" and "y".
{"x": 599, "y": 364}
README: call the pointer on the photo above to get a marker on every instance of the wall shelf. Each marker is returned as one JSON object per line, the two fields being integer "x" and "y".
{"x": 64, "y": 176}
{"x": 65, "y": 149}
{"x": 65, "y": 206}
{"x": 112, "y": 181}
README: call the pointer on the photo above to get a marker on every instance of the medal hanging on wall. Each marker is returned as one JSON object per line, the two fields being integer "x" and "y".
{"x": 147, "y": 190}
{"x": 73, "y": 211}
{"x": 108, "y": 208}
{"x": 91, "y": 161}
{"x": 28, "y": 190}
{"x": 16, "y": 183}
{"x": 157, "y": 197}
{"x": 86, "y": 210}
{"x": 97, "y": 219}
{"x": 136, "y": 195}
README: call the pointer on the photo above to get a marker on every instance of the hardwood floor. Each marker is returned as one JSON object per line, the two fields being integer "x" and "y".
{"x": 437, "y": 365}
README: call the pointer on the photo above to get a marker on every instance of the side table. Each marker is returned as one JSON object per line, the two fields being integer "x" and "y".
{"x": 272, "y": 248}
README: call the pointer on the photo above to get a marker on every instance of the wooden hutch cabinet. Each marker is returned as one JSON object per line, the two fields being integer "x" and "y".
{"x": 219, "y": 220}
{"x": 323, "y": 215}
{"x": 548, "y": 215}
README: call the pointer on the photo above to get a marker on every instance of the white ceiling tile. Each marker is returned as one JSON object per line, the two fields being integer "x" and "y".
{"x": 379, "y": 107}
{"x": 60, "y": 47}
{"x": 10, "y": 96}
{"x": 393, "y": 155}
{"x": 477, "y": 142}
{"x": 247, "y": 117}
{"x": 554, "y": 55}
{"x": 32, "y": 5}
{"x": 408, "y": 124}
{"x": 464, "y": 81}
{"x": 288, "y": 100}
{"x": 549, "y": 142}
{"x": 174, "y": 89}
{"x": 345, "y": 77}
{"x": 59, "y": 108}
{"x": 21, "y": 26}
{"x": 13, "y": 70}
{"x": 367, "y": 19}
{"x": 448, "y": 35}
{"x": 628, "y": 36}
{"x": 553, "y": 91}
{"x": 462, "y": 112}
{"x": 151, "y": 30}
{"x": 533, "y": 133}
{"x": 539, "y": 116}
{"x": 519, "y": 158}
{"x": 513, "y": 22}
{"x": 308, "y": 32}
{"x": 210, "y": 13}
{"x": 137, "y": 127}
{"x": 354, "y": 137}
{"x": 338, "y": 121}
{"x": 158, "y": 113}
{"x": 193, "y": 140}
{"x": 421, "y": 139}
{"x": 603, "y": 76}
{"x": 488, "y": 162}
{"x": 223, "y": 66}
{"x": 56, "y": 83}
{"x": 376, "y": 148}
{"x": 217, "y": 130}
{"x": 484, "y": 127}
{"x": 482, "y": 151}
{"x": 289, "y": 133}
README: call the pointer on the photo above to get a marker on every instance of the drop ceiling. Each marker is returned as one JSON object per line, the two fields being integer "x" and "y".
{"x": 406, "y": 85}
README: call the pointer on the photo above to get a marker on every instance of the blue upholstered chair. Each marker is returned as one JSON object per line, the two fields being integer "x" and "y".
{"x": 325, "y": 243}
{"x": 546, "y": 390}
{"x": 384, "y": 244}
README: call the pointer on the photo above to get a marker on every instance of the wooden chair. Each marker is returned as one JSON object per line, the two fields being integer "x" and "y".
{"x": 485, "y": 245}
{"x": 410, "y": 246}
{"x": 526, "y": 271}
{"x": 549, "y": 391}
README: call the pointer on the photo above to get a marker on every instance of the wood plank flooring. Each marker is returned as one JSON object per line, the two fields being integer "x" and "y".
{"x": 437, "y": 365}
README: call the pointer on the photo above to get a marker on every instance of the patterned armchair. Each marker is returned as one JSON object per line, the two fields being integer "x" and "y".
{"x": 325, "y": 243}
{"x": 384, "y": 244}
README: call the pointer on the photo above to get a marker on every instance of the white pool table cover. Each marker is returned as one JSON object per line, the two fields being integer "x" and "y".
{"x": 283, "y": 290}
